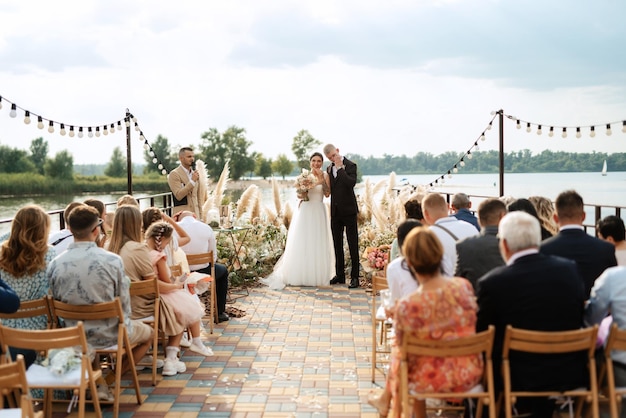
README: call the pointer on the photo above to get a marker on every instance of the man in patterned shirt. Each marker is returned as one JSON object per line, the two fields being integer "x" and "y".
{"x": 86, "y": 274}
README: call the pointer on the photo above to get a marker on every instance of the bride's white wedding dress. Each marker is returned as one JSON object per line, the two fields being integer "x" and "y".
{"x": 308, "y": 259}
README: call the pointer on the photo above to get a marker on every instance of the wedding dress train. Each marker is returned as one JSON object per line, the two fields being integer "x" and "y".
{"x": 308, "y": 259}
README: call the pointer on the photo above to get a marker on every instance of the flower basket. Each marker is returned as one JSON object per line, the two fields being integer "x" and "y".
{"x": 375, "y": 258}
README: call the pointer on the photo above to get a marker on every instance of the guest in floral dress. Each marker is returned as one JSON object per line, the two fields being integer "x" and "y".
{"x": 441, "y": 308}
{"x": 24, "y": 258}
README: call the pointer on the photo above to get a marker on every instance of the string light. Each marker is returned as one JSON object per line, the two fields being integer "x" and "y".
{"x": 518, "y": 125}
{"x": 62, "y": 132}
{"x": 80, "y": 132}
{"x": 551, "y": 133}
{"x": 89, "y": 132}
{"x": 119, "y": 125}
{"x": 127, "y": 122}
{"x": 72, "y": 131}
{"x": 592, "y": 131}
{"x": 608, "y": 129}
{"x": 51, "y": 127}
{"x": 489, "y": 126}
{"x": 578, "y": 132}
{"x": 449, "y": 174}
{"x": 0, "y": 102}
{"x": 564, "y": 134}
{"x": 13, "y": 112}
{"x": 624, "y": 126}
{"x": 482, "y": 137}
{"x": 27, "y": 117}
{"x": 538, "y": 129}
{"x": 462, "y": 163}
{"x": 105, "y": 130}
{"x": 455, "y": 169}
{"x": 528, "y": 127}
{"x": 97, "y": 131}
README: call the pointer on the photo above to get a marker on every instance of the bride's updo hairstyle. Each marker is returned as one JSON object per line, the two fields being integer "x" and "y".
{"x": 316, "y": 154}
{"x": 423, "y": 251}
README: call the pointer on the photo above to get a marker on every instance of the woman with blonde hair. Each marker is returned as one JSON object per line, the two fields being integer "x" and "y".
{"x": 545, "y": 211}
{"x": 24, "y": 258}
{"x": 441, "y": 307}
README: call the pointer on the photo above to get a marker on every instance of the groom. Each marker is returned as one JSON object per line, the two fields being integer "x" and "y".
{"x": 343, "y": 212}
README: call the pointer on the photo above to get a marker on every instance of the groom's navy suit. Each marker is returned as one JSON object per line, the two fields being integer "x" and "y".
{"x": 343, "y": 213}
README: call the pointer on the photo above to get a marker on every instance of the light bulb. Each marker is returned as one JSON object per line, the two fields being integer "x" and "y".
{"x": 13, "y": 112}
{"x": 592, "y": 131}
{"x": 105, "y": 130}
{"x": 469, "y": 155}
{"x": 608, "y": 129}
{"x": 489, "y": 126}
{"x": 71, "y": 132}
{"x": 624, "y": 126}
{"x": 134, "y": 118}
{"x": 476, "y": 147}
{"x": 112, "y": 128}
{"x": 163, "y": 172}
{"x": 97, "y": 131}
{"x": 151, "y": 153}
{"x": 539, "y": 130}
{"x": 482, "y": 137}
{"x": 443, "y": 180}
{"x": 518, "y": 125}
{"x": 141, "y": 137}
{"x": 137, "y": 127}
{"x": 127, "y": 122}
{"x": 528, "y": 127}
{"x": 462, "y": 163}
{"x": 62, "y": 131}
{"x": 51, "y": 127}
{"x": 154, "y": 160}
{"x": 146, "y": 146}
{"x": 27, "y": 117}
{"x": 564, "y": 134}
{"x": 449, "y": 174}
{"x": 119, "y": 125}
{"x": 578, "y": 135}
{"x": 455, "y": 170}
{"x": 551, "y": 133}
{"x": 89, "y": 132}
{"x": 39, "y": 122}
{"x": 0, "y": 102}
{"x": 160, "y": 166}
{"x": 80, "y": 132}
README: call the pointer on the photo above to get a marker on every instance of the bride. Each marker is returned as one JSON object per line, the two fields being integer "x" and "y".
{"x": 308, "y": 259}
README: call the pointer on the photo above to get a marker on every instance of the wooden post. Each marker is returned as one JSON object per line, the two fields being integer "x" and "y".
{"x": 501, "y": 169}
{"x": 129, "y": 161}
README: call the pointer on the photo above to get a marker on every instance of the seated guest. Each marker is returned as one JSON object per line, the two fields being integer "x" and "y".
{"x": 24, "y": 259}
{"x": 533, "y": 291}
{"x": 611, "y": 229}
{"x": 102, "y": 211}
{"x": 60, "y": 240}
{"x": 127, "y": 199}
{"x": 592, "y": 255}
{"x": 545, "y": 211}
{"x": 127, "y": 241}
{"x": 441, "y": 306}
{"x": 448, "y": 229}
{"x": 202, "y": 240}
{"x": 181, "y": 237}
{"x": 526, "y": 206}
{"x": 413, "y": 210}
{"x": 86, "y": 274}
{"x": 9, "y": 301}
{"x": 461, "y": 209}
{"x": 478, "y": 255}
{"x": 608, "y": 295}
{"x": 399, "y": 279}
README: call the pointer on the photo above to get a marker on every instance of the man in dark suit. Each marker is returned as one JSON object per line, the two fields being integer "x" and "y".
{"x": 592, "y": 255}
{"x": 477, "y": 255}
{"x": 343, "y": 213}
{"x": 537, "y": 292}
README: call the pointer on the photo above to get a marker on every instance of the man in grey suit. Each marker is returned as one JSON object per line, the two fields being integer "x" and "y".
{"x": 478, "y": 255}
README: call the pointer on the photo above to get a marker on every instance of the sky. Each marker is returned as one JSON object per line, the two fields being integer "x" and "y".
{"x": 372, "y": 77}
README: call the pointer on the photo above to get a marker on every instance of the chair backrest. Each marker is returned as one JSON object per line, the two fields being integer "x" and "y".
{"x": 112, "y": 309}
{"x": 615, "y": 341}
{"x": 13, "y": 382}
{"x": 379, "y": 282}
{"x": 549, "y": 342}
{"x": 200, "y": 258}
{"x": 43, "y": 340}
{"x": 145, "y": 287}
{"x": 31, "y": 309}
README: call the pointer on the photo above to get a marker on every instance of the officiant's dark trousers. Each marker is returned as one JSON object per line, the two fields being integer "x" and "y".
{"x": 337, "y": 226}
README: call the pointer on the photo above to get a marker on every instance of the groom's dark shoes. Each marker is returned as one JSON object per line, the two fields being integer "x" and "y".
{"x": 354, "y": 283}
{"x": 336, "y": 280}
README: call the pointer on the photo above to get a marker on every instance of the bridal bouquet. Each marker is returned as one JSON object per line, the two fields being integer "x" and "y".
{"x": 375, "y": 258}
{"x": 304, "y": 182}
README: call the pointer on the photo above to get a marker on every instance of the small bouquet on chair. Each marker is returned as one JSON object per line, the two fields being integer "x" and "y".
{"x": 196, "y": 283}
{"x": 375, "y": 258}
{"x": 304, "y": 182}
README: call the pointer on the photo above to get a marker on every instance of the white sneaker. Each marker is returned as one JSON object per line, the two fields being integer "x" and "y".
{"x": 185, "y": 341}
{"x": 104, "y": 393}
{"x": 146, "y": 361}
{"x": 171, "y": 367}
{"x": 200, "y": 349}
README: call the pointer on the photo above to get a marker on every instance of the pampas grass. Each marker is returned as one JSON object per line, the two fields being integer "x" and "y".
{"x": 203, "y": 188}
{"x": 287, "y": 215}
{"x": 276, "y": 195}
{"x": 246, "y": 199}
{"x": 255, "y": 206}
{"x": 214, "y": 200}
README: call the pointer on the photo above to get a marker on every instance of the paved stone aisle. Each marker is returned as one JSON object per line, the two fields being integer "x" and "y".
{"x": 298, "y": 352}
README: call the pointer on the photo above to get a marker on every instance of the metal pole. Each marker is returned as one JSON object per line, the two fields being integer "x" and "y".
{"x": 129, "y": 161}
{"x": 501, "y": 119}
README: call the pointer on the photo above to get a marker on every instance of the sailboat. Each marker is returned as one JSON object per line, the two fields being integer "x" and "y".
{"x": 604, "y": 168}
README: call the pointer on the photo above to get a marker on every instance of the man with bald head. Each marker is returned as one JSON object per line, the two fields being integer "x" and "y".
{"x": 448, "y": 229}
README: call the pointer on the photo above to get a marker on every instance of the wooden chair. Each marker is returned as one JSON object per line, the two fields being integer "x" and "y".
{"x": 39, "y": 377}
{"x": 477, "y": 344}
{"x": 14, "y": 387}
{"x": 31, "y": 309}
{"x": 203, "y": 258}
{"x": 615, "y": 341}
{"x": 150, "y": 288}
{"x": 100, "y": 311}
{"x": 551, "y": 342}
{"x": 381, "y": 348}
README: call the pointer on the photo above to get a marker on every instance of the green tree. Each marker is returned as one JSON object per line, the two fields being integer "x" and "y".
{"x": 13, "y": 160}
{"x": 282, "y": 165}
{"x": 263, "y": 166}
{"x": 163, "y": 153}
{"x": 61, "y": 166}
{"x": 39, "y": 153}
{"x": 217, "y": 148}
{"x": 302, "y": 145}
{"x": 117, "y": 164}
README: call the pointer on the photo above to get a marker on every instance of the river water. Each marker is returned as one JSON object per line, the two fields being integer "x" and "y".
{"x": 595, "y": 189}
